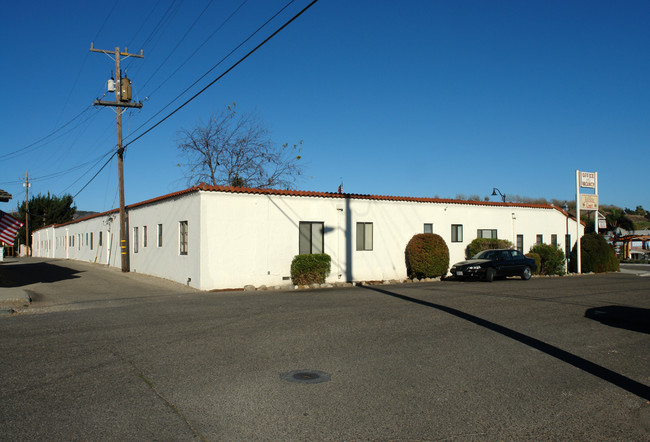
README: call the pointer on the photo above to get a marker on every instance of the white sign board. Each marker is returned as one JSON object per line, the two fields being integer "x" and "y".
{"x": 588, "y": 202}
{"x": 588, "y": 179}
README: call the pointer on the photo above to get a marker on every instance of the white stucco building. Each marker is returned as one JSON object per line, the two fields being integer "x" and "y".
{"x": 214, "y": 237}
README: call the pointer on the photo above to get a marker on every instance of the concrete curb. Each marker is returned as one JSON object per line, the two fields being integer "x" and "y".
{"x": 12, "y": 298}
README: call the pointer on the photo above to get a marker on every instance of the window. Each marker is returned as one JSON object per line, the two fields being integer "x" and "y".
{"x": 540, "y": 239}
{"x": 135, "y": 240}
{"x": 428, "y": 228}
{"x": 364, "y": 236}
{"x": 86, "y": 239}
{"x": 183, "y": 237}
{"x": 91, "y": 240}
{"x": 310, "y": 237}
{"x": 554, "y": 240}
{"x": 159, "y": 235}
{"x": 456, "y": 233}
{"x": 567, "y": 244}
{"x": 520, "y": 243}
{"x": 100, "y": 239}
{"x": 144, "y": 236}
{"x": 486, "y": 233}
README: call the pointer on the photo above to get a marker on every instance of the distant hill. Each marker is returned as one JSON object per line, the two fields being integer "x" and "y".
{"x": 82, "y": 214}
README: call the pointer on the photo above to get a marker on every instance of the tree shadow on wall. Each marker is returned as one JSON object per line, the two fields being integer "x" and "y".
{"x": 620, "y": 316}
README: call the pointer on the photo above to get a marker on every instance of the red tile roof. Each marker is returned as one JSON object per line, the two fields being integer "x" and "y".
{"x": 303, "y": 193}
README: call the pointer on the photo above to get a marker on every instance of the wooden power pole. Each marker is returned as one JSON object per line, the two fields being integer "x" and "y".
{"x": 122, "y": 87}
{"x": 27, "y": 184}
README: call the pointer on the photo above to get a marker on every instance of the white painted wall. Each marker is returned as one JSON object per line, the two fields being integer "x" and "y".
{"x": 252, "y": 239}
{"x": 166, "y": 261}
{"x": 237, "y": 239}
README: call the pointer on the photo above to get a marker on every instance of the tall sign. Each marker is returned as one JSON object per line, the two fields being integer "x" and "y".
{"x": 585, "y": 201}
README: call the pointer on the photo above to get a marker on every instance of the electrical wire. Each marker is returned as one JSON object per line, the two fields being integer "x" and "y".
{"x": 94, "y": 176}
{"x": 24, "y": 148}
{"x": 223, "y": 74}
{"x": 197, "y": 49}
{"x": 302, "y": 11}
{"x": 143, "y": 23}
{"x": 177, "y": 44}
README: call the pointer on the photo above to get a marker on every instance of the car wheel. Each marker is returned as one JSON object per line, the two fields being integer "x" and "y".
{"x": 489, "y": 275}
{"x": 526, "y": 274}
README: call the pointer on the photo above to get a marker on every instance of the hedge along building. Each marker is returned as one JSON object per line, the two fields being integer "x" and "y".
{"x": 213, "y": 237}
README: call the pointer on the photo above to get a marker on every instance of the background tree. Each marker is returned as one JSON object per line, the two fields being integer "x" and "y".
{"x": 235, "y": 149}
{"x": 45, "y": 210}
{"x": 617, "y": 219}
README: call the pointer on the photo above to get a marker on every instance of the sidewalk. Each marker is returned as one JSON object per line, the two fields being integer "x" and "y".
{"x": 12, "y": 298}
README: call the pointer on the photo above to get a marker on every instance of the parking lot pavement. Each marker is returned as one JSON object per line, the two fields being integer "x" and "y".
{"x": 101, "y": 355}
{"x": 642, "y": 270}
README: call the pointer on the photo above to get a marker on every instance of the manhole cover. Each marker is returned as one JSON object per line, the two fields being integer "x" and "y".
{"x": 306, "y": 376}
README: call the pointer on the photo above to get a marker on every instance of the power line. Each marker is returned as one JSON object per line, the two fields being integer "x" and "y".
{"x": 24, "y": 148}
{"x": 197, "y": 50}
{"x": 202, "y": 90}
{"x": 222, "y": 75}
{"x": 143, "y": 22}
{"x": 178, "y": 44}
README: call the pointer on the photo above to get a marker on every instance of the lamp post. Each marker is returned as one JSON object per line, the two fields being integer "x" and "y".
{"x": 494, "y": 193}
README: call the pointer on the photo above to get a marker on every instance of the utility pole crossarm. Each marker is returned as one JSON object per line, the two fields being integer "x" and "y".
{"x": 123, "y": 54}
{"x": 99, "y": 102}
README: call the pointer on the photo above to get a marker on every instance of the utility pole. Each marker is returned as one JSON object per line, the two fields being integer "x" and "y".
{"x": 122, "y": 88}
{"x": 26, "y": 184}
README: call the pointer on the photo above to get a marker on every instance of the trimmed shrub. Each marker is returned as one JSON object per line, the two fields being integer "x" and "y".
{"x": 538, "y": 261}
{"x": 427, "y": 256}
{"x": 595, "y": 255}
{"x": 480, "y": 244}
{"x": 310, "y": 269}
{"x": 551, "y": 259}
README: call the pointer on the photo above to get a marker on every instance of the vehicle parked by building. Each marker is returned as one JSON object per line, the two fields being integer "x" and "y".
{"x": 495, "y": 263}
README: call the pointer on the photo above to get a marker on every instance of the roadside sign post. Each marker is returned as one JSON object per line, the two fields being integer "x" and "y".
{"x": 586, "y": 202}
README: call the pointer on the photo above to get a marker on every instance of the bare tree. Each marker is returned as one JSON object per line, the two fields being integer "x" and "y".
{"x": 234, "y": 149}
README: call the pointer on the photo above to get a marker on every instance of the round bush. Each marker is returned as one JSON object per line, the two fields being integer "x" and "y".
{"x": 310, "y": 269}
{"x": 595, "y": 255}
{"x": 427, "y": 256}
{"x": 551, "y": 259}
{"x": 480, "y": 244}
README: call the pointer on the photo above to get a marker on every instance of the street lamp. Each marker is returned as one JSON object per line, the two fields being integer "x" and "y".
{"x": 494, "y": 193}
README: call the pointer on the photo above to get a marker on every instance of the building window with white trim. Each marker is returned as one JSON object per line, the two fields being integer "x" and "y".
{"x": 144, "y": 236}
{"x": 456, "y": 233}
{"x": 428, "y": 228}
{"x": 554, "y": 240}
{"x": 311, "y": 237}
{"x": 364, "y": 236}
{"x": 91, "y": 240}
{"x": 520, "y": 243}
{"x": 135, "y": 240}
{"x": 160, "y": 235}
{"x": 540, "y": 239}
{"x": 100, "y": 238}
{"x": 487, "y": 233}
{"x": 183, "y": 237}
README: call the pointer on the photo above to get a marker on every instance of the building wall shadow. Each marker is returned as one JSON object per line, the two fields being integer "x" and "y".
{"x": 20, "y": 273}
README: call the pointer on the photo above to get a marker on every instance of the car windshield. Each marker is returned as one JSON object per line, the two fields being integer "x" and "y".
{"x": 485, "y": 254}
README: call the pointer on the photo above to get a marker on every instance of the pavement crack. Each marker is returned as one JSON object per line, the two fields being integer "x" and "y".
{"x": 167, "y": 402}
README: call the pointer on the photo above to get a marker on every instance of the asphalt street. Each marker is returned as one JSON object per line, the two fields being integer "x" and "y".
{"x": 101, "y": 355}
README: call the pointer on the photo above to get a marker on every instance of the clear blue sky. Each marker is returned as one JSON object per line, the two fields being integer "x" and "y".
{"x": 409, "y": 98}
